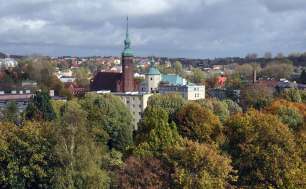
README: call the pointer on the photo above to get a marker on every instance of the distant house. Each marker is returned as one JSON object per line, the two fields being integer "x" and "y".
{"x": 76, "y": 91}
{"x": 67, "y": 79}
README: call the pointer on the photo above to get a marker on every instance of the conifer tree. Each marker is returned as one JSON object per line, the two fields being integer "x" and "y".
{"x": 40, "y": 107}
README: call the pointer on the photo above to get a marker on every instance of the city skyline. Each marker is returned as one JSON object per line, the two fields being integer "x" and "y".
{"x": 164, "y": 28}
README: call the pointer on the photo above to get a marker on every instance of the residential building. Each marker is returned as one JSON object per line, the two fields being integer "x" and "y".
{"x": 66, "y": 79}
{"x": 188, "y": 92}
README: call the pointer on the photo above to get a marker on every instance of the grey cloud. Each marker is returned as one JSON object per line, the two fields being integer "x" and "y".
{"x": 202, "y": 29}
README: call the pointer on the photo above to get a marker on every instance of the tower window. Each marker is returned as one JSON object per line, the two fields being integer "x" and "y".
{"x": 151, "y": 78}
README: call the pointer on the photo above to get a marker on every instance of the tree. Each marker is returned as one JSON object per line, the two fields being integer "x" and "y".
{"x": 292, "y": 95}
{"x": 177, "y": 67}
{"x": 63, "y": 65}
{"x": 148, "y": 172}
{"x": 268, "y": 55}
{"x": 40, "y": 108}
{"x": 27, "y": 158}
{"x": 56, "y": 85}
{"x": 197, "y": 76}
{"x": 303, "y": 77}
{"x": 256, "y": 96}
{"x": 11, "y": 113}
{"x": 171, "y": 103}
{"x": 155, "y": 134}
{"x": 264, "y": 151}
{"x": 65, "y": 92}
{"x": 117, "y": 119}
{"x": 277, "y": 71}
{"x": 196, "y": 165}
{"x": 233, "y": 107}
{"x": 291, "y": 114}
{"x": 280, "y": 55}
{"x": 198, "y": 124}
{"x": 80, "y": 159}
{"x": 220, "y": 110}
{"x": 245, "y": 71}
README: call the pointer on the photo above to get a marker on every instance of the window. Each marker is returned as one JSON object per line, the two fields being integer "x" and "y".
{"x": 198, "y": 95}
{"x": 151, "y": 78}
{"x": 133, "y": 113}
{"x": 121, "y": 98}
{"x": 195, "y": 95}
{"x": 139, "y": 106}
{"x": 183, "y": 95}
{"x": 139, "y": 99}
{"x": 139, "y": 113}
{"x": 195, "y": 89}
{"x": 133, "y": 98}
{"x": 127, "y": 100}
{"x": 133, "y": 105}
{"x": 141, "y": 89}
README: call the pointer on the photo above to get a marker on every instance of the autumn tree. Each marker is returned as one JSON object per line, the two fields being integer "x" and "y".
{"x": 264, "y": 151}
{"x": 148, "y": 172}
{"x": 257, "y": 96}
{"x": 26, "y": 156}
{"x": 196, "y": 165}
{"x": 65, "y": 92}
{"x": 198, "y": 124}
{"x": 155, "y": 134}
{"x": 276, "y": 70}
{"x": 63, "y": 65}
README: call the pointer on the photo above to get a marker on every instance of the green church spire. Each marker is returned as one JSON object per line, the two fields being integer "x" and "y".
{"x": 152, "y": 62}
{"x": 127, "y": 42}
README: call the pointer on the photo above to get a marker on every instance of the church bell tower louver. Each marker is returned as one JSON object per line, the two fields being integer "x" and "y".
{"x": 127, "y": 64}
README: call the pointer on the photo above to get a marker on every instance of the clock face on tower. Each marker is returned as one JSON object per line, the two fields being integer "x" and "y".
{"x": 126, "y": 67}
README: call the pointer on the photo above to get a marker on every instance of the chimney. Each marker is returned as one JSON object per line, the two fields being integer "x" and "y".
{"x": 254, "y": 76}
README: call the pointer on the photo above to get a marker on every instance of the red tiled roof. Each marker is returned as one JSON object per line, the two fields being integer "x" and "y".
{"x": 105, "y": 81}
{"x": 221, "y": 80}
{"x": 1, "y": 74}
{"x": 76, "y": 91}
{"x": 266, "y": 82}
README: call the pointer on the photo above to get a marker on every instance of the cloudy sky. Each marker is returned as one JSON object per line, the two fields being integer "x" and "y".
{"x": 171, "y": 28}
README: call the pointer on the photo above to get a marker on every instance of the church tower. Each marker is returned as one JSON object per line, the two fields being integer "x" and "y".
{"x": 127, "y": 64}
{"x": 153, "y": 77}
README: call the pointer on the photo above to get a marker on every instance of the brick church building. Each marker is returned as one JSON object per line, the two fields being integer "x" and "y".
{"x": 118, "y": 82}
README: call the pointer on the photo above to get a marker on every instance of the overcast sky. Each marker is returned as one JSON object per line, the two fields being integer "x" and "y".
{"x": 171, "y": 28}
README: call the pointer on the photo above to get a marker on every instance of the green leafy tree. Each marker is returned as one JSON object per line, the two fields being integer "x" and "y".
{"x": 198, "y": 75}
{"x": 291, "y": 117}
{"x": 117, "y": 119}
{"x": 233, "y": 107}
{"x": 40, "y": 108}
{"x": 292, "y": 95}
{"x": 11, "y": 113}
{"x": 65, "y": 92}
{"x": 198, "y": 124}
{"x": 264, "y": 151}
{"x": 155, "y": 134}
{"x": 221, "y": 110}
{"x": 26, "y": 156}
{"x": 170, "y": 102}
{"x": 80, "y": 159}
{"x": 196, "y": 165}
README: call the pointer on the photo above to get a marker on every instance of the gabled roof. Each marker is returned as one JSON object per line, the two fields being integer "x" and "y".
{"x": 105, "y": 81}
